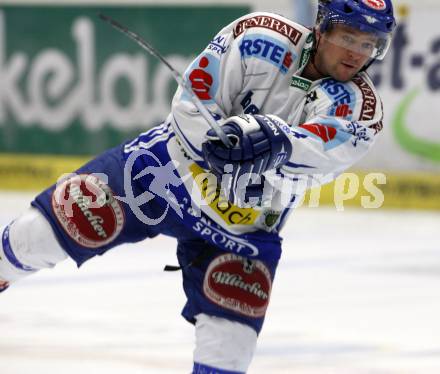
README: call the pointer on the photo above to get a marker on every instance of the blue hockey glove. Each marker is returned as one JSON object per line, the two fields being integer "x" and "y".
{"x": 259, "y": 145}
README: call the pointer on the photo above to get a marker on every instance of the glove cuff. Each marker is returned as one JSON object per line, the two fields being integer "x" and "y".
{"x": 246, "y": 123}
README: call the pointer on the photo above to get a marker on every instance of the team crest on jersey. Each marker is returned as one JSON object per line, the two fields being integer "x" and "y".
{"x": 87, "y": 210}
{"x": 375, "y": 4}
{"x": 271, "y": 218}
{"x": 238, "y": 284}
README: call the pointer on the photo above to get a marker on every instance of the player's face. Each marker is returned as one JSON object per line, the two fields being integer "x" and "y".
{"x": 343, "y": 51}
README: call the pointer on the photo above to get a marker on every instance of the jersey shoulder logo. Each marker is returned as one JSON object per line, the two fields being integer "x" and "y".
{"x": 204, "y": 77}
{"x": 269, "y": 23}
{"x": 369, "y": 99}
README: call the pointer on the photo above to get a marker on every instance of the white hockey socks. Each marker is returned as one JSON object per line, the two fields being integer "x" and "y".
{"x": 223, "y": 345}
{"x": 27, "y": 245}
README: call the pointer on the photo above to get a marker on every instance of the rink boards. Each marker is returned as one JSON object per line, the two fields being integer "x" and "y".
{"x": 369, "y": 190}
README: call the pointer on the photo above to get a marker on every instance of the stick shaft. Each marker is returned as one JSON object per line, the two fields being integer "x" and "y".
{"x": 177, "y": 76}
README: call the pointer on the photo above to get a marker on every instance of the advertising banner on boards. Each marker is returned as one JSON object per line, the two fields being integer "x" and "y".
{"x": 71, "y": 84}
{"x": 409, "y": 83}
{"x": 71, "y": 87}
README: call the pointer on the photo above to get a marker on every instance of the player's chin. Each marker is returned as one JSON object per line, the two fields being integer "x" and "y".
{"x": 345, "y": 73}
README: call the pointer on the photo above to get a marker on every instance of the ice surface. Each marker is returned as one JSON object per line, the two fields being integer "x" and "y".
{"x": 357, "y": 292}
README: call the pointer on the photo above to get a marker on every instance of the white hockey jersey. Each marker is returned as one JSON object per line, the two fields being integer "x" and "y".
{"x": 252, "y": 66}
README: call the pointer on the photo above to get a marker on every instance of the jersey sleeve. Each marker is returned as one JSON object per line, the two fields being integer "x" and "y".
{"x": 334, "y": 133}
{"x": 255, "y": 47}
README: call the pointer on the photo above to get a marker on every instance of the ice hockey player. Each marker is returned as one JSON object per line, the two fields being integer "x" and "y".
{"x": 296, "y": 103}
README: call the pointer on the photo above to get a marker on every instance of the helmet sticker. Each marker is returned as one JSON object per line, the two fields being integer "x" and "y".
{"x": 375, "y": 4}
{"x": 370, "y": 19}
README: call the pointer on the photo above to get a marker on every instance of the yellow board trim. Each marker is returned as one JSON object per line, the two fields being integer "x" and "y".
{"x": 401, "y": 190}
{"x": 35, "y": 172}
{"x": 407, "y": 190}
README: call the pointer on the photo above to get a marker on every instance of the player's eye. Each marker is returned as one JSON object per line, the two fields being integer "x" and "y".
{"x": 347, "y": 39}
{"x": 367, "y": 46}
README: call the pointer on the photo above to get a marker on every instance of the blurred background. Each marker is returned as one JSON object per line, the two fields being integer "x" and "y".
{"x": 71, "y": 86}
{"x": 358, "y": 293}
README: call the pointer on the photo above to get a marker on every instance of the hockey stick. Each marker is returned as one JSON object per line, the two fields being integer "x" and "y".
{"x": 177, "y": 76}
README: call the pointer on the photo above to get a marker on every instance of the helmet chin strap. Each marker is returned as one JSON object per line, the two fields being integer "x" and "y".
{"x": 368, "y": 64}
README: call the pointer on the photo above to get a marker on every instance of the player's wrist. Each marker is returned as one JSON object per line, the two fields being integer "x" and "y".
{"x": 280, "y": 144}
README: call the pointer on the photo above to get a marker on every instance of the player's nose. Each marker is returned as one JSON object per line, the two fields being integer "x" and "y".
{"x": 354, "y": 57}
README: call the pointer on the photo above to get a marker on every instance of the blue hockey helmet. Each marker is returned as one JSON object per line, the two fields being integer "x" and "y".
{"x": 371, "y": 16}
